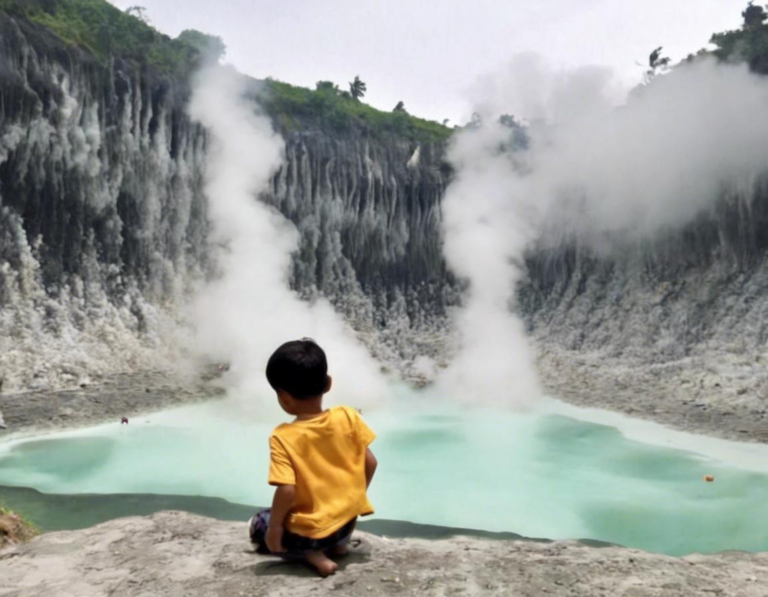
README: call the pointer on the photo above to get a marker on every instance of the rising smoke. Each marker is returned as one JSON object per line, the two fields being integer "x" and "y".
{"x": 596, "y": 169}
{"x": 249, "y": 310}
{"x": 484, "y": 230}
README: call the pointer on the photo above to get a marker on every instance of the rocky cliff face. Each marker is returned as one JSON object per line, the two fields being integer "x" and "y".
{"x": 104, "y": 234}
{"x": 103, "y": 227}
{"x": 102, "y": 220}
{"x": 686, "y": 291}
{"x": 673, "y": 329}
{"x": 369, "y": 215}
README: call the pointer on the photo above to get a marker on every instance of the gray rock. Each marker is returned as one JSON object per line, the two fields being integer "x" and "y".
{"x": 175, "y": 554}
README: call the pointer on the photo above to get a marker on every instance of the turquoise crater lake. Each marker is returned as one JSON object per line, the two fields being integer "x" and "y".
{"x": 539, "y": 474}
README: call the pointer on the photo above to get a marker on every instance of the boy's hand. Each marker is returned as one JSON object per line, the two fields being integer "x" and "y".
{"x": 274, "y": 538}
{"x": 285, "y": 496}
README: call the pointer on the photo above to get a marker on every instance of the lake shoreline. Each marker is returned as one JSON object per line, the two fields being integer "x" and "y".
{"x": 59, "y": 512}
{"x": 704, "y": 396}
{"x": 109, "y": 400}
{"x": 582, "y": 382}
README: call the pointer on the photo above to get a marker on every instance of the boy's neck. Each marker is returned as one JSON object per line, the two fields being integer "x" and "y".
{"x": 309, "y": 408}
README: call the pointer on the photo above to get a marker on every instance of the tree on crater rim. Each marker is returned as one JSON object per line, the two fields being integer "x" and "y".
{"x": 357, "y": 88}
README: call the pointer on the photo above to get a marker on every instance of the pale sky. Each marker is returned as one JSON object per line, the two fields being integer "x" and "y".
{"x": 429, "y": 53}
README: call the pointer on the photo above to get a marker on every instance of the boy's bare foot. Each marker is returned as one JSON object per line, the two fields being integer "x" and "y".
{"x": 339, "y": 550}
{"x": 322, "y": 563}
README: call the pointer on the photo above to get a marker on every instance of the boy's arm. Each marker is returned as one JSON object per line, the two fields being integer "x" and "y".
{"x": 370, "y": 466}
{"x": 365, "y": 436}
{"x": 283, "y": 477}
{"x": 285, "y": 496}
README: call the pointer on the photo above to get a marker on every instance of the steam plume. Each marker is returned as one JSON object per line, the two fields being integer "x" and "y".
{"x": 594, "y": 170}
{"x": 249, "y": 310}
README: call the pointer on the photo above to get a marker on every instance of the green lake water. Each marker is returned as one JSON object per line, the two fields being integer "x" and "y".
{"x": 537, "y": 474}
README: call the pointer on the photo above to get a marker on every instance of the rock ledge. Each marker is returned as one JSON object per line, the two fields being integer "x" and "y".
{"x": 175, "y": 553}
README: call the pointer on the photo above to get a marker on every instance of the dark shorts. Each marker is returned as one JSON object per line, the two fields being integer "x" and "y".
{"x": 296, "y": 545}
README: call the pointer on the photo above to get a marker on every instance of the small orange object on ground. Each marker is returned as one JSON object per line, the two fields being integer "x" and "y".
{"x": 709, "y": 478}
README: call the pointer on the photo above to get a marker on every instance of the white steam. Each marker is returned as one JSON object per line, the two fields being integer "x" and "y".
{"x": 604, "y": 173}
{"x": 484, "y": 228}
{"x": 672, "y": 151}
{"x": 249, "y": 310}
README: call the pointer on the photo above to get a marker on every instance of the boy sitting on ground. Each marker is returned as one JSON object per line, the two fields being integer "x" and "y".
{"x": 320, "y": 464}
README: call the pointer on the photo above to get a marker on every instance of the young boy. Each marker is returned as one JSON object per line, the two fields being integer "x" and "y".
{"x": 320, "y": 464}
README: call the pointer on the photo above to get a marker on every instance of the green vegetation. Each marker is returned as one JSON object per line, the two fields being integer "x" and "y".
{"x": 209, "y": 46}
{"x": 754, "y": 16}
{"x": 656, "y": 64}
{"x": 328, "y": 107}
{"x": 105, "y": 31}
{"x": 14, "y": 528}
{"x": 357, "y": 89}
{"x": 750, "y": 43}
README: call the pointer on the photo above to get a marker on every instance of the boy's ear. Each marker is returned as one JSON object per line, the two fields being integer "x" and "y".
{"x": 284, "y": 397}
{"x": 328, "y": 384}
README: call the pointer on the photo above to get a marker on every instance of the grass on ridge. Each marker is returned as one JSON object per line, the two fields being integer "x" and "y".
{"x": 105, "y": 30}
{"x": 295, "y": 107}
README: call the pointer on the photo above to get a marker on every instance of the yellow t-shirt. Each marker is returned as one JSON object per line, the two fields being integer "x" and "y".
{"x": 324, "y": 458}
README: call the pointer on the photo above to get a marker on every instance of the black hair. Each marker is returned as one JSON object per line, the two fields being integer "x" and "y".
{"x": 298, "y": 367}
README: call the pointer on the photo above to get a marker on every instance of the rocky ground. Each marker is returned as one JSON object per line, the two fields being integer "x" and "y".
{"x": 725, "y": 396}
{"x": 175, "y": 554}
{"x": 108, "y": 400}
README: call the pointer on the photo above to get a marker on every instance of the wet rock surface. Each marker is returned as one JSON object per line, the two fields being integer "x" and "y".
{"x": 173, "y": 553}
